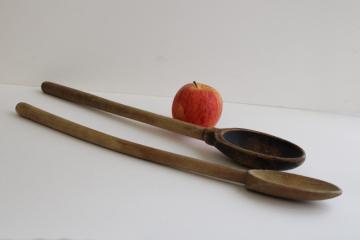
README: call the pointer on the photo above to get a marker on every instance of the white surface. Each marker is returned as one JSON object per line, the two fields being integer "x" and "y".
{"x": 54, "y": 186}
{"x": 301, "y": 54}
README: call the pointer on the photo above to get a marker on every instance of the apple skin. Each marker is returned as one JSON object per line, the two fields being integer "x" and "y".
{"x": 197, "y": 103}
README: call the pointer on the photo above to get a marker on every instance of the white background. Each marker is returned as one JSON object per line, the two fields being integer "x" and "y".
{"x": 302, "y": 54}
{"x": 293, "y": 54}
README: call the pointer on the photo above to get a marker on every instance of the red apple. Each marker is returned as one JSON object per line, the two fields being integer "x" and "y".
{"x": 197, "y": 103}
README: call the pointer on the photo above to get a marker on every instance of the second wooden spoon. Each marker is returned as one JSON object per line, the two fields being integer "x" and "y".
{"x": 247, "y": 147}
{"x": 274, "y": 183}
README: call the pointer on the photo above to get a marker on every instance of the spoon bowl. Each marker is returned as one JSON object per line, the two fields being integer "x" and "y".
{"x": 290, "y": 186}
{"x": 255, "y": 149}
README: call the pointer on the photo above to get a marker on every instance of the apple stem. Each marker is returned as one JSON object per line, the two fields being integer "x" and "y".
{"x": 195, "y": 84}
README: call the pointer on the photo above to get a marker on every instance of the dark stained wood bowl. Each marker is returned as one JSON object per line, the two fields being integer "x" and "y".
{"x": 255, "y": 149}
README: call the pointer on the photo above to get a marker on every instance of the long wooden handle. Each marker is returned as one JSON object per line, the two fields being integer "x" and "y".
{"x": 133, "y": 149}
{"x": 157, "y": 120}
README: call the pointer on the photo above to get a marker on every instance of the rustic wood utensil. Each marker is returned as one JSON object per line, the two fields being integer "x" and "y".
{"x": 274, "y": 183}
{"x": 247, "y": 147}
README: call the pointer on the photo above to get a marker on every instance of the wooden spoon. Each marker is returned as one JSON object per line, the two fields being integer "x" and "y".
{"x": 274, "y": 183}
{"x": 247, "y": 147}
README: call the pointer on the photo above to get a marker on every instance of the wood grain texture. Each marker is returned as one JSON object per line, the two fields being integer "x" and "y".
{"x": 129, "y": 148}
